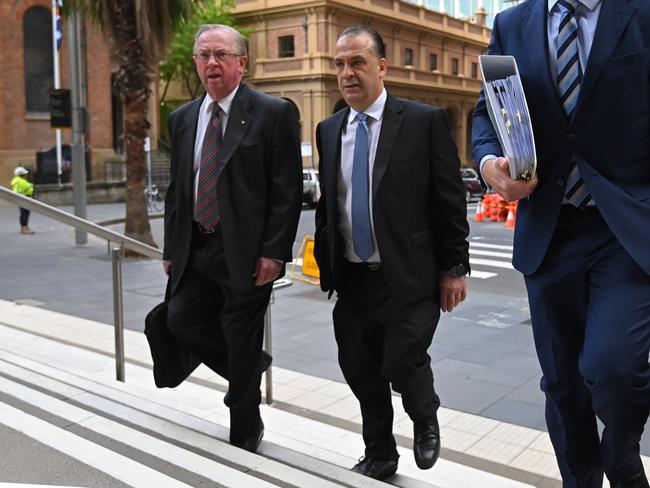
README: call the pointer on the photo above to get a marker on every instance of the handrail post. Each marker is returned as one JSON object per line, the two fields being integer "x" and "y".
{"x": 118, "y": 312}
{"x": 268, "y": 333}
{"x": 268, "y": 347}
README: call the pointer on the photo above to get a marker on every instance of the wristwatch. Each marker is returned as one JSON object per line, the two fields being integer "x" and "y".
{"x": 459, "y": 269}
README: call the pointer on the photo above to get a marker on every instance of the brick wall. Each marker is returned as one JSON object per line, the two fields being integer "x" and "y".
{"x": 21, "y": 134}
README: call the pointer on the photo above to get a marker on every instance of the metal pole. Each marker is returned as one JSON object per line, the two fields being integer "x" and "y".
{"x": 147, "y": 150}
{"x": 78, "y": 129}
{"x": 118, "y": 311}
{"x": 57, "y": 79}
{"x": 268, "y": 347}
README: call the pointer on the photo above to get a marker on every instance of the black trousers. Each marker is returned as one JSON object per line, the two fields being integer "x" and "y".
{"x": 24, "y": 217}
{"x": 223, "y": 327}
{"x": 383, "y": 342}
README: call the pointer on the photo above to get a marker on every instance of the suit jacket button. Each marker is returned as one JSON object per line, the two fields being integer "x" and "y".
{"x": 572, "y": 138}
{"x": 559, "y": 182}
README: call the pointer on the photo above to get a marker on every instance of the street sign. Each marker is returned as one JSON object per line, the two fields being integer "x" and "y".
{"x": 60, "y": 109}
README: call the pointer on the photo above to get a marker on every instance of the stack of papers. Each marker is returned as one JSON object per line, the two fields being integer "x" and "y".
{"x": 506, "y": 104}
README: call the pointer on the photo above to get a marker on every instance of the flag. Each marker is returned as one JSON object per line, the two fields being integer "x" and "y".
{"x": 59, "y": 23}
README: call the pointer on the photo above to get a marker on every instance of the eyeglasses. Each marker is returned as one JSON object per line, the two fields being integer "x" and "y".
{"x": 221, "y": 56}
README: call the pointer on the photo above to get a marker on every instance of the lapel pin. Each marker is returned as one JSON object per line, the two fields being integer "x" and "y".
{"x": 243, "y": 122}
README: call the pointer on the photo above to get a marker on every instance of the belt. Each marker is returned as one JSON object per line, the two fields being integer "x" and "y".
{"x": 365, "y": 266}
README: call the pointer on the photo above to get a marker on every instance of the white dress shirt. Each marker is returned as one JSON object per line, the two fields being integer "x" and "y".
{"x": 587, "y": 13}
{"x": 375, "y": 113}
{"x": 204, "y": 117}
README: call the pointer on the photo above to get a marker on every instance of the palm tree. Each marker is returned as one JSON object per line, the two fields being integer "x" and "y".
{"x": 139, "y": 32}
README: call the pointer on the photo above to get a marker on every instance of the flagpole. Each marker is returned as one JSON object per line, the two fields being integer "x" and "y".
{"x": 57, "y": 82}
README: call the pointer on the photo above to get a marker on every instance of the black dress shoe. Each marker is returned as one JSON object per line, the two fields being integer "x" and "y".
{"x": 252, "y": 441}
{"x": 375, "y": 468}
{"x": 426, "y": 442}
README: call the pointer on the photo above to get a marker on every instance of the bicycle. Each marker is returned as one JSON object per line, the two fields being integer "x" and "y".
{"x": 155, "y": 202}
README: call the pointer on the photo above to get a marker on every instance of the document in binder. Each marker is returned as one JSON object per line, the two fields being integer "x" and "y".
{"x": 506, "y": 104}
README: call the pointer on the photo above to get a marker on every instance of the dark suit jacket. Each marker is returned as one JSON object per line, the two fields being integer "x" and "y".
{"x": 259, "y": 190}
{"x": 608, "y": 137}
{"x": 419, "y": 209}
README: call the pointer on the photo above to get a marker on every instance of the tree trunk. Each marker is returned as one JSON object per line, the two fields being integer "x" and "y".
{"x": 134, "y": 77}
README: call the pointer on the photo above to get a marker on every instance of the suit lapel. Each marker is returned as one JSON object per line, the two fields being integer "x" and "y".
{"x": 239, "y": 120}
{"x": 391, "y": 122}
{"x": 333, "y": 159}
{"x": 613, "y": 19}
{"x": 187, "y": 136}
{"x": 534, "y": 35}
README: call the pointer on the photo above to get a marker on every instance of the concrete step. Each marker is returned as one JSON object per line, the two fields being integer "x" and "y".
{"x": 61, "y": 396}
{"x": 39, "y": 352}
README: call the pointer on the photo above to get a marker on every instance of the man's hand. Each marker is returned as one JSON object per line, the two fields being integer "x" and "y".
{"x": 497, "y": 174}
{"x": 167, "y": 266}
{"x": 266, "y": 270}
{"x": 453, "y": 290}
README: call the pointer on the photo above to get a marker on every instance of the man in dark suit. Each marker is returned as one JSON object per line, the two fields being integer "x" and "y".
{"x": 391, "y": 232}
{"x": 231, "y": 215}
{"x": 582, "y": 238}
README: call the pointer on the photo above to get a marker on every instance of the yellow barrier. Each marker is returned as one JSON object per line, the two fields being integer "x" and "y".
{"x": 310, "y": 271}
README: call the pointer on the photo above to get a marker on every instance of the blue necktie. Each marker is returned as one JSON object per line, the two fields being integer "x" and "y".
{"x": 361, "y": 233}
{"x": 569, "y": 77}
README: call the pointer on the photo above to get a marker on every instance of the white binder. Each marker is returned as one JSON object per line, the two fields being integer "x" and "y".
{"x": 508, "y": 110}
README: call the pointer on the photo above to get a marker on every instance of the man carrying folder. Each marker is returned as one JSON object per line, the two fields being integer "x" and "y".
{"x": 582, "y": 238}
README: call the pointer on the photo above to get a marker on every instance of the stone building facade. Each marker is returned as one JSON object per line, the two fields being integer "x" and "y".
{"x": 433, "y": 58}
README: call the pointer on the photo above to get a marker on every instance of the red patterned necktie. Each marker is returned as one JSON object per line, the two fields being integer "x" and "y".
{"x": 206, "y": 210}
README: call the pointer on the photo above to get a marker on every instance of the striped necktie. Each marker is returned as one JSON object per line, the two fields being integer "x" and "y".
{"x": 206, "y": 209}
{"x": 569, "y": 78}
{"x": 361, "y": 233}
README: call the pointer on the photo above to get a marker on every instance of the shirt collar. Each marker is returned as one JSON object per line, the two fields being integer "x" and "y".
{"x": 374, "y": 111}
{"x": 590, "y": 4}
{"x": 224, "y": 103}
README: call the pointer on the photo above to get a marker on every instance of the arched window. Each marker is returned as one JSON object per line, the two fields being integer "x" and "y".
{"x": 39, "y": 70}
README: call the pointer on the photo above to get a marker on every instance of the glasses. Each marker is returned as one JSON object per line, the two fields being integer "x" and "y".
{"x": 221, "y": 56}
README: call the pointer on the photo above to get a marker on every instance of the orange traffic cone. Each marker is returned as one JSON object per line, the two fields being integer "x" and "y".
{"x": 478, "y": 216}
{"x": 510, "y": 220}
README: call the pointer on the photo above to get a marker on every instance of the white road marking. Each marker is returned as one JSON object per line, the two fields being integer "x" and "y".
{"x": 494, "y": 254}
{"x": 482, "y": 275}
{"x": 491, "y": 263}
{"x": 490, "y": 246}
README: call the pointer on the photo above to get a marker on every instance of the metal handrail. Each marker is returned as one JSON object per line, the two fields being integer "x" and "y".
{"x": 79, "y": 223}
{"x": 141, "y": 248}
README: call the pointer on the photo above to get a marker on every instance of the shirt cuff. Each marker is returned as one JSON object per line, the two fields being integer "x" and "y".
{"x": 480, "y": 167}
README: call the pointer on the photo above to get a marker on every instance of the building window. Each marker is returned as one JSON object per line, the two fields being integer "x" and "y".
{"x": 408, "y": 56}
{"x": 285, "y": 47}
{"x": 39, "y": 69}
{"x": 454, "y": 66}
{"x": 433, "y": 62}
{"x": 474, "y": 70}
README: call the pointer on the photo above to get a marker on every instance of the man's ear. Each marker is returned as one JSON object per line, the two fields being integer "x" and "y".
{"x": 383, "y": 67}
